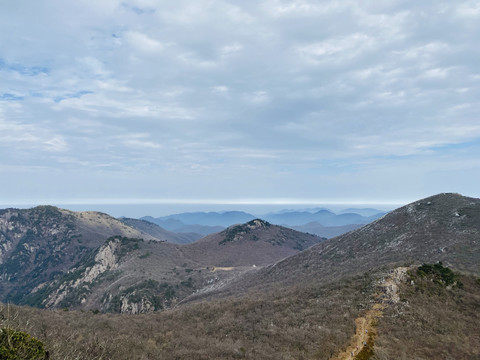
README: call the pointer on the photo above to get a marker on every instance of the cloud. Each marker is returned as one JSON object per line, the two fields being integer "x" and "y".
{"x": 305, "y": 8}
{"x": 230, "y": 50}
{"x": 139, "y": 141}
{"x": 336, "y": 50}
{"x": 263, "y": 97}
{"x": 19, "y": 136}
{"x": 143, "y": 42}
{"x": 469, "y": 9}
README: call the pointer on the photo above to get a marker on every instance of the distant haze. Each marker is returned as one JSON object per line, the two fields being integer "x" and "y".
{"x": 156, "y": 210}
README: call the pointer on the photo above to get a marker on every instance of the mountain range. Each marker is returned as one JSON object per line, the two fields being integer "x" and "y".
{"x": 57, "y": 258}
{"x": 319, "y": 221}
{"x": 406, "y": 285}
{"x": 443, "y": 228}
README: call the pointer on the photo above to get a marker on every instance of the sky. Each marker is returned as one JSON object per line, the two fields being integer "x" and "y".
{"x": 238, "y": 102}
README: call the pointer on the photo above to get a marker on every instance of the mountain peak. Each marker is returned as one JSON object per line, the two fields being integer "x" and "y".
{"x": 443, "y": 227}
{"x": 257, "y": 223}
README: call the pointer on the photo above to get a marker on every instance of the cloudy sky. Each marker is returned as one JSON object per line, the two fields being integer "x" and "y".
{"x": 150, "y": 101}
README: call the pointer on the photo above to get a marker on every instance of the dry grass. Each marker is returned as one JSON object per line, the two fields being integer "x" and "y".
{"x": 434, "y": 322}
{"x": 304, "y": 322}
{"x": 307, "y": 321}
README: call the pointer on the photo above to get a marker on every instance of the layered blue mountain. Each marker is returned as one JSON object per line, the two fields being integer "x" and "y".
{"x": 206, "y": 223}
{"x": 201, "y": 222}
{"x": 323, "y": 217}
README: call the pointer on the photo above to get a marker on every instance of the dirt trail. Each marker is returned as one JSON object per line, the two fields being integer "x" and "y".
{"x": 218, "y": 268}
{"x": 362, "y": 341}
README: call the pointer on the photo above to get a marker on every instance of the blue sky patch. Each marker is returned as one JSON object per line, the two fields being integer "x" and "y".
{"x": 78, "y": 94}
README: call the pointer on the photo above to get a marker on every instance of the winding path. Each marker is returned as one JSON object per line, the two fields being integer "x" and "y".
{"x": 366, "y": 325}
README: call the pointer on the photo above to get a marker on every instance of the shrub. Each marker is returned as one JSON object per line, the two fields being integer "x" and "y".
{"x": 18, "y": 345}
{"x": 441, "y": 274}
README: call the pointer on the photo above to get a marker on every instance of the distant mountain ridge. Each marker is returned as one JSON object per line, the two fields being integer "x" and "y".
{"x": 326, "y": 231}
{"x": 161, "y": 233}
{"x": 224, "y": 219}
{"x": 366, "y": 212}
{"x": 210, "y": 222}
{"x": 177, "y": 226}
{"x": 323, "y": 217}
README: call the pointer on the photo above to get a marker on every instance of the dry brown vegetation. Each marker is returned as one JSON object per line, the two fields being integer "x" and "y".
{"x": 304, "y": 322}
{"x": 432, "y": 322}
{"x": 303, "y": 307}
{"x": 307, "y": 321}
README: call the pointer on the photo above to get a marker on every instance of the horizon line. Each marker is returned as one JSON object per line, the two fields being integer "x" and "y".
{"x": 246, "y": 201}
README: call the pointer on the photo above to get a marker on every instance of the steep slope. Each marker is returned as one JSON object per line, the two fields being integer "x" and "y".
{"x": 308, "y": 321}
{"x": 40, "y": 243}
{"x": 132, "y": 275}
{"x": 160, "y": 233}
{"x": 444, "y": 227}
{"x": 432, "y": 321}
{"x": 123, "y": 274}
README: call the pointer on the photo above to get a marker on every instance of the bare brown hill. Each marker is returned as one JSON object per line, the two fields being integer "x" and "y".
{"x": 444, "y": 227}
{"x": 132, "y": 275}
{"x": 254, "y": 243}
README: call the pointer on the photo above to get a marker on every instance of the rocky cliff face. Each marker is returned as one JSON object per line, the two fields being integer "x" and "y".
{"x": 98, "y": 282}
{"x": 135, "y": 276}
{"x": 78, "y": 281}
{"x": 35, "y": 245}
{"x": 39, "y": 244}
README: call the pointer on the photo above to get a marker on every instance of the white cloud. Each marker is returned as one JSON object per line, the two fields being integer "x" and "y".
{"x": 94, "y": 65}
{"x": 305, "y": 8}
{"x": 56, "y": 144}
{"x": 439, "y": 73}
{"x": 258, "y": 97}
{"x": 16, "y": 135}
{"x": 192, "y": 59}
{"x": 139, "y": 141}
{"x": 112, "y": 85}
{"x": 105, "y": 106}
{"x": 280, "y": 88}
{"x": 143, "y": 42}
{"x": 230, "y": 50}
{"x": 427, "y": 51}
{"x": 469, "y": 9}
{"x": 220, "y": 89}
{"x": 336, "y": 50}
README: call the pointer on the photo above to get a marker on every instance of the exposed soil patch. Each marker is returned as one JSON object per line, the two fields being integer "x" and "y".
{"x": 362, "y": 342}
{"x": 217, "y": 268}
